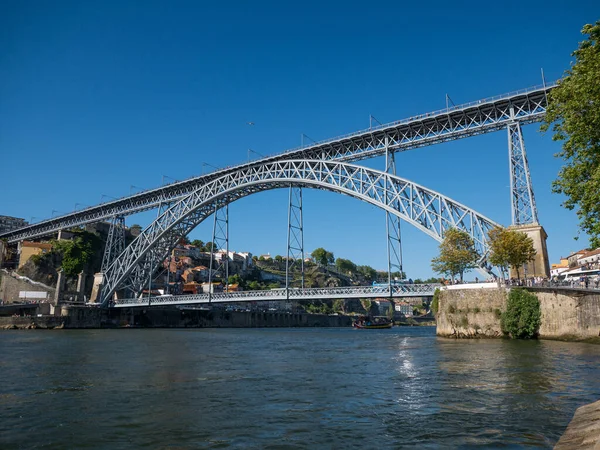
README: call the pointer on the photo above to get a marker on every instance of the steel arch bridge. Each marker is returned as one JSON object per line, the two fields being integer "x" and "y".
{"x": 427, "y": 210}
{"x": 509, "y": 111}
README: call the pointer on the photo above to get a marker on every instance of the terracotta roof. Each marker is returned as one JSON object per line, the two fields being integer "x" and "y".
{"x": 591, "y": 253}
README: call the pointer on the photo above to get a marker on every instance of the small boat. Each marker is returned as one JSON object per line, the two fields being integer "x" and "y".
{"x": 370, "y": 324}
{"x": 373, "y": 326}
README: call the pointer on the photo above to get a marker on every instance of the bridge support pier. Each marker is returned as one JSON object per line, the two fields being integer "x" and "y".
{"x": 60, "y": 287}
{"x": 540, "y": 266}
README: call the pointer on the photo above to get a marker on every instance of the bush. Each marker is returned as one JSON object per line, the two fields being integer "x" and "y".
{"x": 522, "y": 318}
{"x": 435, "y": 304}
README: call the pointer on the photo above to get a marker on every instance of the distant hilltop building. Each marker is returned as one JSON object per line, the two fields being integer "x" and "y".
{"x": 8, "y": 223}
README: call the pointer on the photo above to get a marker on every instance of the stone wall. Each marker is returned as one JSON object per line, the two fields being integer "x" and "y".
{"x": 11, "y": 286}
{"x": 568, "y": 314}
{"x": 470, "y": 312}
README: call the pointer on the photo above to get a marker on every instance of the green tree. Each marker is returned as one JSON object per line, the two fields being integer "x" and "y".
{"x": 366, "y": 304}
{"x": 198, "y": 243}
{"x": 345, "y": 265}
{"x": 338, "y": 306}
{"x": 510, "y": 248}
{"x": 522, "y": 318}
{"x": 368, "y": 272}
{"x": 278, "y": 258}
{"x": 322, "y": 256}
{"x": 457, "y": 254}
{"x": 574, "y": 116}
{"x": 390, "y": 311}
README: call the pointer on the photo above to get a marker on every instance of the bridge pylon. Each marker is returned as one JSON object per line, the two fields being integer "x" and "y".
{"x": 392, "y": 226}
{"x": 295, "y": 237}
{"x": 220, "y": 241}
{"x": 523, "y": 207}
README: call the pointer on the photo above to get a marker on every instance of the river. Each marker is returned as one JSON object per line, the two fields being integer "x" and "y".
{"x": 287, "y": 389}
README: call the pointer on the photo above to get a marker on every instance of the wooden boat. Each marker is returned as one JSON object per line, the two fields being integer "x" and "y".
{"x": 373, "y": 326}
{"x": 367, "y": 323}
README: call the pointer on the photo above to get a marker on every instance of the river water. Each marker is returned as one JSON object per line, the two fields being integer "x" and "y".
{"x": 287, "y": 388}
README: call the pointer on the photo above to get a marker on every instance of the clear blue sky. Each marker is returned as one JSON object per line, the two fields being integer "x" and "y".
{"x": 97, "y": 97}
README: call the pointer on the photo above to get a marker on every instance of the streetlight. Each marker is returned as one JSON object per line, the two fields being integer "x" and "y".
{"x": 132, "y": 186}
{"x": 80, "y": 204}
{"x": 170, "y": 178}
{"x": 104, "y": 195}
{"x": 209, "y": 165}
{"x": 254, "y": 151}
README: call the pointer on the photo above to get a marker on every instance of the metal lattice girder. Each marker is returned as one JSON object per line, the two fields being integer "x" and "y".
{"x": 398, "y": 291}
{"x": 392, "y": 228}
{"x": 115, "y": 242}
{"x": 429, "y": 211}
{"x": 295, "y": 237}
{"x": 220, "y": 241}
{"x": 461, "y": 121}
{"x": 522, "y": 202}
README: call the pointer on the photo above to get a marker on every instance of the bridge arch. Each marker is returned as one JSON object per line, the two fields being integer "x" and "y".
{"x": 427, "y": 210}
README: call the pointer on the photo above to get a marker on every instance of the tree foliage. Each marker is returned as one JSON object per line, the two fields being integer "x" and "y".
{"x": 574, "y": 117}
{"x": 366, "y": 304}
{"x": 322, "y": 256}
{"x": 368, "y": 272}
{"x": 522, "y": 318}
{"x": 435, "y": 304}
{"x": 457, "y": 254}
{"x": 77, "y": 253}
{"x": 345, "y": 265}
{"x": 510, "y": 248}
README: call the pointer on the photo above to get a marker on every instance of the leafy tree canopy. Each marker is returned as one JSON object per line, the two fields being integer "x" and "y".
{"x": 322, "y": 256}
{"x": 368, "y": 272}
{"x": 345, "y": 265}
{"x": 574, "y": 117}
{"x": 457, "y": 254}
{"x": 510, "y": 248}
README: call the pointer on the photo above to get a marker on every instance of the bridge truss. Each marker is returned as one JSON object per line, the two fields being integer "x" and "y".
{"x": 429, "y": 211}
{"x": 396, "y": 291}
{"x": 483, "y": 116}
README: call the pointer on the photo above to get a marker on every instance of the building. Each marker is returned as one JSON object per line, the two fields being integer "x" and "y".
{"x": 8, "y": 223}
{"x": 28, "y": 249}
{"x": 557, "y": 269}
{"x": 573, "y": 258}
{"x": 405, "y": 309}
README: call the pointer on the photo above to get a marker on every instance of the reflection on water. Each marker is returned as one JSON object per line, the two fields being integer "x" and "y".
{"x": 288, "y": 388}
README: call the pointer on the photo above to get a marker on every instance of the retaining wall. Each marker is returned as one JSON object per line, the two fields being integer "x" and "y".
{"x": 568, "y": 314}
